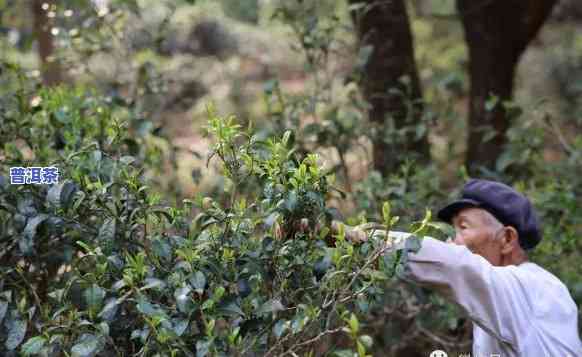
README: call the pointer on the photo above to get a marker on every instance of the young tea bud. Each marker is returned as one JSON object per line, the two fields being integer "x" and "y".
{"x": 277, "y": 231}
{"x": 304, "y": 225}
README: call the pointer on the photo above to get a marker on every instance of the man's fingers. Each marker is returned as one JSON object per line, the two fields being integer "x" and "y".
{"x": 353, "y": 234}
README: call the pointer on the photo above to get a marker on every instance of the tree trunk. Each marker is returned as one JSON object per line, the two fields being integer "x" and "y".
{"x": 384, "y": 25}
{"x": 497, "y": 33}
{"x": 50, "y": 69}
{"x": 568, "y": 11}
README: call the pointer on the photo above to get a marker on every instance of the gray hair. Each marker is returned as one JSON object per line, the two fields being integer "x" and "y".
{"x": 490, "y": 220}
{"x": 494, "y": 225}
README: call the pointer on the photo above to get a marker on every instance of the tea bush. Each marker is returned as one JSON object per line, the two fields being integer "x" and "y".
{"x": 98, "y": 264}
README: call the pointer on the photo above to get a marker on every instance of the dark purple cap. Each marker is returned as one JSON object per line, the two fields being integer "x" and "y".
{"x": 510, "y": 207}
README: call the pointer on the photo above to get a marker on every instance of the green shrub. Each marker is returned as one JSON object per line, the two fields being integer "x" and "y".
{"x": 246, "y": 10}
{"x": 99, "y": 265}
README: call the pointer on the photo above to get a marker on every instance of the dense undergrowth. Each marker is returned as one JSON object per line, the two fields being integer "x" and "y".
{"x": 98, "y": 265}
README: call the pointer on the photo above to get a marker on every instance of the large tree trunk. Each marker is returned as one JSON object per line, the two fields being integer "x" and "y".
{"x": 568, "y": 11}
{"x": 385, "y": 26}
{"x": 50, "y": 69}
{"x": 497, "y": 33}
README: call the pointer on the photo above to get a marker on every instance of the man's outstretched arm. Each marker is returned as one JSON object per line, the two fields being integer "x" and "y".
{"x": 493, "y": 298}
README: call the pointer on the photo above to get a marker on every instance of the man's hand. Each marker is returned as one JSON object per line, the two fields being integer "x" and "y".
{"x": 360, "y": 233}
{"x": 355, "y": 234}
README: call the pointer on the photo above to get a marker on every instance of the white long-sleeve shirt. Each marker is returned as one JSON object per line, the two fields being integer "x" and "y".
{"x": 516, "y": 311}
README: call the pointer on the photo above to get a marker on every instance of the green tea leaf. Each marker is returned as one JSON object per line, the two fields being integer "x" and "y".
{"x": 33, "y": 345}
{"x": 26, "y": 243}
{"x": 54, "y": 195}
{"x": 183, "y": 299}
{"x": 107, "y": 230}
{"x": 367, "y": 341}
{"x": 127, "y": 160}
{"x": 386, "y": 214}
{"x": 180, "y": 326}
{"x": 231, "y": 309}
{"x": 202, "y": 348}
{"x": 273, "y": 305}
{"x": 94, "y": 296}
{"x": 109, "y": 310}
{"x": 16, "y": 332}
{"x": 198, "y": 281}
{"x": 152, "y": 283}
{"x": 354, "y": 324}
{"x": 60, "y": 195}
{"x": 361, "y": 349}
{"x": 3, "y": 309}
{"x": 280, "y": 327}
{"x": 87, "y": 345}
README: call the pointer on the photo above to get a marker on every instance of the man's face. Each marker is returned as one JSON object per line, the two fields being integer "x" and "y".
{"x": 477, "y": 232}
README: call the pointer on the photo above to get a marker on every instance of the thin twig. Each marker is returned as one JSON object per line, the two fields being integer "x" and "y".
{"x": 31, "y": 287}
{"x": 370, "y": 261}
{"x": 556, "y": 129}
{"x": 8, "y": 249}
{"x": 310, "y": 341}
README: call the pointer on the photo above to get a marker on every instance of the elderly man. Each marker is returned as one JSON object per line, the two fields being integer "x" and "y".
{"x": 517, "y": 307}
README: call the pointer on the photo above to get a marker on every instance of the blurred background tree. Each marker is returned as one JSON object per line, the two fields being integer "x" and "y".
{"x": 390, "y": 82}
{"x": 42, "y": 11}
{"x": 497, "y": 35}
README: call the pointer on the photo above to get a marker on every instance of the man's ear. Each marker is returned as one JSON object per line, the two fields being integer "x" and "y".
{"x": 510, "y": 240}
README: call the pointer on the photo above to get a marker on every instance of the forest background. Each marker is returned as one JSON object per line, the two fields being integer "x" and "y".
{"x": 206, "y": 147}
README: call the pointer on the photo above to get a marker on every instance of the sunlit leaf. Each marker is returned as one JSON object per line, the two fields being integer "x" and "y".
{"x": 33, "y": 345}
{"x": 16, "y": 332}
{"x": 87, "y": 345}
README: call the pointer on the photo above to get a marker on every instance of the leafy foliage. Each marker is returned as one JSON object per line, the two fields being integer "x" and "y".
{"x": 97, "y": 264}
